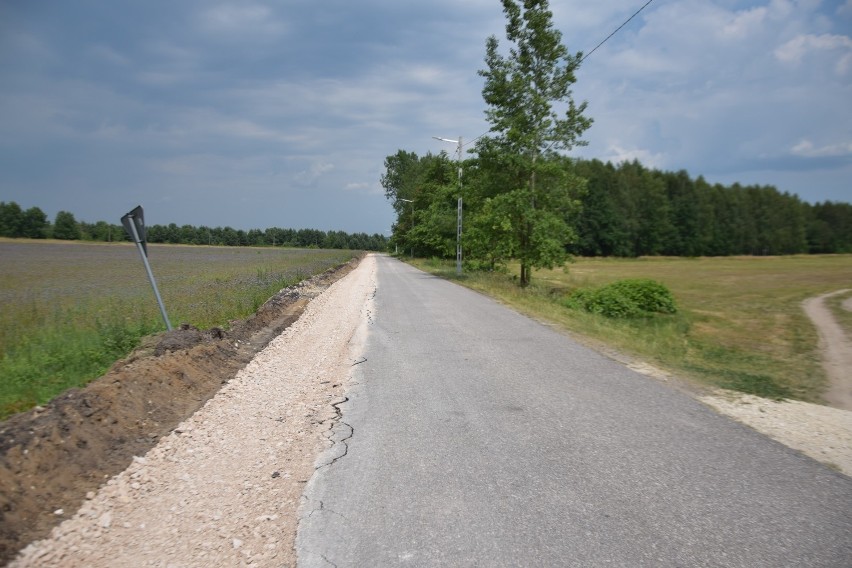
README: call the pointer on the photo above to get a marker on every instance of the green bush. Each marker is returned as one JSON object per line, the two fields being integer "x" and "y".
{"x": 624, "y": 299}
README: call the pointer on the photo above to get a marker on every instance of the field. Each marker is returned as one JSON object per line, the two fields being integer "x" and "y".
{"x": 69, "y": 310}
{"x": 740, "y": 324}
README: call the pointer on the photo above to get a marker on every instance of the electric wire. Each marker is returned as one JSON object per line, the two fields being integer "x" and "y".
{"x": 616, "y": 31}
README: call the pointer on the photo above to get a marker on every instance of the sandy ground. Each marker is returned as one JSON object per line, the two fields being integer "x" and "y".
{"x": 224, "y": 488}
{"x": 821, "y": 432}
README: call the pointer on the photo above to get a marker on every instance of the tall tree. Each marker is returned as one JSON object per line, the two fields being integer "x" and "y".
{"x": 533, "y": 116}
{"x": 65, "y": 227}
{"x": 11, "y": 219}
{"x": 34, "y": 223}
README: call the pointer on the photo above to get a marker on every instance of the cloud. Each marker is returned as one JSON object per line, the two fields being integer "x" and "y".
{"x": 806, "y": 149}
{"x": 193, "y": 101}
{"x": 310, "y": 176}
{"x": 796, "y": 49}
{"x": 369, "y": 188}
{"x": 617, "y": 154}
{"x": 243, "y": 19}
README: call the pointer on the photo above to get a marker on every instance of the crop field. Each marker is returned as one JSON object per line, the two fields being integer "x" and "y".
{"x": 69, "y": 310}
{"x": 740, "y": 323}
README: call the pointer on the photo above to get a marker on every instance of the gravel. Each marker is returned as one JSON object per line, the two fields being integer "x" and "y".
{"x": 225, "y": 487}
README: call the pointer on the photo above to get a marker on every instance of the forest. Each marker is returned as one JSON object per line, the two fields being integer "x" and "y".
{"x": 33, "y": 223}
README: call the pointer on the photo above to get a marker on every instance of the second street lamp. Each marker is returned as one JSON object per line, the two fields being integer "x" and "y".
{"x": 459, "y": 220}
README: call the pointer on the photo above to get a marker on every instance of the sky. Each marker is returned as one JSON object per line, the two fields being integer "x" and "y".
{"x": 256, "y": 114}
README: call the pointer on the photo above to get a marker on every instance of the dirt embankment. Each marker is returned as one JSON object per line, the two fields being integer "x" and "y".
{"x": 53, "y": 456}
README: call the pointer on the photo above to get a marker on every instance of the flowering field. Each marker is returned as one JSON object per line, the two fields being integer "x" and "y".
{"x": 69, "y": 310}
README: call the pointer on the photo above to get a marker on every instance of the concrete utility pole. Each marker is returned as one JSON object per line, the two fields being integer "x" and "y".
{"x": 459, "y": 221}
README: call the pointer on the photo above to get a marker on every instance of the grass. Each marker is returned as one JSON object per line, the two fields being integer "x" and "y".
{"x": 68, "y": 311}
{"x": 740, "y": 324}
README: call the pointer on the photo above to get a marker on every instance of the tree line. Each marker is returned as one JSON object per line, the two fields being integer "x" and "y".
{"x": 624, "y": 210}
{"x": 629, "y": 210}
{"x": 33, "y": 223}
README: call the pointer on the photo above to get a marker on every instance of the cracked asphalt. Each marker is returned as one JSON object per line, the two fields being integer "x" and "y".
{"x": 474, "y": 436}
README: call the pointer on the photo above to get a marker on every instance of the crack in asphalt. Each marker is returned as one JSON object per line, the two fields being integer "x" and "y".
{"x": 335, "y": 422}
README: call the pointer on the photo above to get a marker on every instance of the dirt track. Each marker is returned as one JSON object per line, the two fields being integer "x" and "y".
{"x": 836, "y": 349}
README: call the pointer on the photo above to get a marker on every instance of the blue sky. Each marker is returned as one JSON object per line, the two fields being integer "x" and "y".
{"x": 258, "y": 114}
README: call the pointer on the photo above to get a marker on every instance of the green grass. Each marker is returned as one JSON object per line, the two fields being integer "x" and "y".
{"x": 740, "y": 324}
{"x": 68, "y": 311}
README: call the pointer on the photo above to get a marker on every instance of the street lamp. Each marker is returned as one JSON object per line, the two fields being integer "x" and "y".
{"x": 459, "y": 221}
{"x": 412, "y": 223}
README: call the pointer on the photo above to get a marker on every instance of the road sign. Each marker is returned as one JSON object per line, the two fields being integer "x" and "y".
{"x": 134, "y": 224}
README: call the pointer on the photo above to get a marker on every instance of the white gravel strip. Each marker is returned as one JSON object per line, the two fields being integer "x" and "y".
{"x": 224, "y": 488}
{"x": 821, "y": 432}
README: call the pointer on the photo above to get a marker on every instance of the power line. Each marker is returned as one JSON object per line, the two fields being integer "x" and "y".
{"x": 616, "y": 30}
{"x": 627, "y": 21}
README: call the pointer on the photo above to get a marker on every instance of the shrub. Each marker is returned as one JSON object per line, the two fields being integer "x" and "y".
{"x": 624, "y": 299}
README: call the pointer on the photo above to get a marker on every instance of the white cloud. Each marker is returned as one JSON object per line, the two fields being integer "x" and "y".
{"x": 365, "y": 187}
{"x": 794, "y": 50}
{"x": 745, "y": 22}
{"x": 313, "y": 173}
{"x": 244, "y": 18}
{"x": 806, "y": 148}
{"x": 616, "y": 154}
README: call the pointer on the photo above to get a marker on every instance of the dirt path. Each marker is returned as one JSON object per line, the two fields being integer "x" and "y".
{"x": 836, "y": 350}
{"x": 224, "y": 488}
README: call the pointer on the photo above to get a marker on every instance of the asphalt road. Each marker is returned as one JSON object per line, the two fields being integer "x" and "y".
{"x": 478, "y": 437}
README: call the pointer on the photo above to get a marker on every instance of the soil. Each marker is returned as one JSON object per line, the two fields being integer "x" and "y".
{"x": 53, "y": 456}
{"x": 195, "y": 450}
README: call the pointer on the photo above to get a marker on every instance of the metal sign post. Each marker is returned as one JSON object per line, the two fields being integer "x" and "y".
{"x": 134, "y": 224}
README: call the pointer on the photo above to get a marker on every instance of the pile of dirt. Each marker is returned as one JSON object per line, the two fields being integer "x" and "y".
{"x": 52, "y": 456}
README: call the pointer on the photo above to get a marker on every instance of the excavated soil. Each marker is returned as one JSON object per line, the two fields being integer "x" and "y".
{"x": 53, "y": 456}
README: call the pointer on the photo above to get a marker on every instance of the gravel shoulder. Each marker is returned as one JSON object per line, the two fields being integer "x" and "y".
{"x": 224, "y": 487}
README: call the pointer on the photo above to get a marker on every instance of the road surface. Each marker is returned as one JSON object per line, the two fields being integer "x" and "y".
{"x": 474, "y": 436}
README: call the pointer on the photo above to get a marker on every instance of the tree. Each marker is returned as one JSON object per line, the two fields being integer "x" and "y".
{"x": 34, "y": 223}
{"x": 533, "y": 115}
{"x": 11, "y": 219}
{"x": 424, "y": 194}
{"x": 65, "y": 227}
